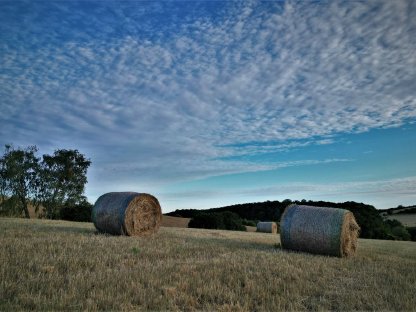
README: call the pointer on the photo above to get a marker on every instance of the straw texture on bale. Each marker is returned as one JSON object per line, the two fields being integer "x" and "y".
{"x": 127, "y": 213}
{"x": 328, "y": 231}
{"x": 267, "y": 227}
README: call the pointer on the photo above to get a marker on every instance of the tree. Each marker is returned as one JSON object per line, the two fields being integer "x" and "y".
{"x": 19, "y": 178}
{"x": 77, "y": 212}
{"x": 63, "y": 178}
{"x": 206, "y": 220}
{"x": 3, "y": 181}
{"x": 4, "y": 189}
{"x": 217, "y": 220}
{"x": 232, "y": 221}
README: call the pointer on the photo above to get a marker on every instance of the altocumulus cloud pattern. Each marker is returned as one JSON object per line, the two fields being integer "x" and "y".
{"x": 187, "y": 89}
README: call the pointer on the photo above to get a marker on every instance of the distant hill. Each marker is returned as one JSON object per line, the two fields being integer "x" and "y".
{"x": 407, "y": 219}
{"x": 398, "y": 210}
{"x": 405, "y": 215}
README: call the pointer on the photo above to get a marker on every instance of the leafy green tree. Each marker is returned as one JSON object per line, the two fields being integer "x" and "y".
{"x": 396, "y": 230}
{"x": 412, "y": 232}
{"x": 19, "y": 179}
{"x": 232, "y": 221}
{"x": 80, "y": 212}
{"x": 217, "y": 220}
{"x": 3, "y": 181}
{"x": 206, "y": 220}
{"x": 401, "y": 233}
{"x": 63, "y": 178}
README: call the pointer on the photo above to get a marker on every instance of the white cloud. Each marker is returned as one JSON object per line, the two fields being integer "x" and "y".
{"x": 174, "y": 106}
{"x": 393, "y": 187}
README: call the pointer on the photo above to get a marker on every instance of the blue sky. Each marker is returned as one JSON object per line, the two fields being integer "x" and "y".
{"x": 210, "y": 103}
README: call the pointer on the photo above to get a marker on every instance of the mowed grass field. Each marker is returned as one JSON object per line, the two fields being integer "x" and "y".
{"x": 168, "y": 221}
{"x": 57, "y": 265}
{"x": 407, "y": 219}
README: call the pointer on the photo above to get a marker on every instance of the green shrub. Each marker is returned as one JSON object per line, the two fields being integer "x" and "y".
{"x": 401, "y": 233}
{"x": 249, "y": 222}
{"x": 10, "y": 207}
{"x": 412, "y": 232}
{"x": 217, "y": 220}
{"x": 77, "y": 212}
{"x": 395, "y": 229}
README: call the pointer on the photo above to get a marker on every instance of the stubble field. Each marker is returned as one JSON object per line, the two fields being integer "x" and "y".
{"x": 57, "y": 265}
{"x": 405, "y": 219}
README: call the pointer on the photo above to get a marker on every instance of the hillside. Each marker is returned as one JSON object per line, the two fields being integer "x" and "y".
{"x": 59, "y": 265}
{"x": 405, "y": 215}
{"x": 398, "y": 210}
{"x": 407, "y": 219}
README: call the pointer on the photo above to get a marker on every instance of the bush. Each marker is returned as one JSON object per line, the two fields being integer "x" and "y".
{"x": 77, "y": 212}
{"x": 232, "y": 221}
{"x": 400, "y": 233}
{"x": 396, "y": 230}
{"x": 412, "y": 232}
{"x": 10, "y": 207}
{"x": 249, "y": 222}
{"x": 217, "y": 220}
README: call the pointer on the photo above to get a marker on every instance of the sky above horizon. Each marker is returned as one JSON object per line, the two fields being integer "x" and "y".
{"x": 211, "y": 103}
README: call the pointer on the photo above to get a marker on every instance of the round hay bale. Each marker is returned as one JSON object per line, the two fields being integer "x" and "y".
{"x": 327, "y": 231}
{"x": 127, "y": 213}
{"x": 267, "y": 227}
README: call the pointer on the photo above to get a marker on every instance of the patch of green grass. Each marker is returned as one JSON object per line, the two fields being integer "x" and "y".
{"x": 57, "y": 265}
{"x": 135, "y": 250}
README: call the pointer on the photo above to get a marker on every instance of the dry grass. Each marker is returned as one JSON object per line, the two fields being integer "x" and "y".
{"x": 407, "y": 219}
{"x": 50, "y": 265}
{"x": 169, "y": 221}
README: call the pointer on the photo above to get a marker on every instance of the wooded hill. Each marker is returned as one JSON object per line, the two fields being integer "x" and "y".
{"x": 368, "y": 217}
{"x": 398, "y": 210}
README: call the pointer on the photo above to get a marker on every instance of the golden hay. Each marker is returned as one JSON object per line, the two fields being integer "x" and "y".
{"x": 328, "y": 231}
{"x": 267, "y": 227}
{"x": 127, "y": 213}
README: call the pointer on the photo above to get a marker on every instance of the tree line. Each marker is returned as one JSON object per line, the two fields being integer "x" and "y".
{"x": 368, "y": 217}
{"x": 53, "y": 184}
{"x": 224, "y": 220}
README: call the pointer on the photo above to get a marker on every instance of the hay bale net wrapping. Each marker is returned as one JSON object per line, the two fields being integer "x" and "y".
{"x": 319, "y": 230}
{"x": 127, "y": 213}
{"x": 267, "y": 227}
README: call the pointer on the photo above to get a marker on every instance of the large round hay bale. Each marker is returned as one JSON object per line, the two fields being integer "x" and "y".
{"x": 267, "y": 227}
{"x": 127, "y": 213}
{"x": 328, "y": 231}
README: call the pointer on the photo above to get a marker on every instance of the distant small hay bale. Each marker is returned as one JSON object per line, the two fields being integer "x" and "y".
{"x": 328, "y": 231}
{"x": 127, "y": 213}
{"x": 267, "y": 227}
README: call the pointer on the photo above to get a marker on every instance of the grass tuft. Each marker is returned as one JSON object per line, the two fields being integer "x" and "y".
{"x": 135, "y": 250}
